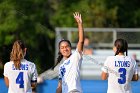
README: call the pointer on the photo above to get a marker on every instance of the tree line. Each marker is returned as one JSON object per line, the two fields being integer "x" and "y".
{"x": 34, "y": 22}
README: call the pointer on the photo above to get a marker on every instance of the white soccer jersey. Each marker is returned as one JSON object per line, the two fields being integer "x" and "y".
{"x": 20, "y": 80}
{"x": 120, "y": 71}
{"x": 69, "y": 73}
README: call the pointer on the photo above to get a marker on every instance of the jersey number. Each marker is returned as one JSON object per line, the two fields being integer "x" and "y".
{"x": 19, "y": 80}
{"x": 122, "y": 78}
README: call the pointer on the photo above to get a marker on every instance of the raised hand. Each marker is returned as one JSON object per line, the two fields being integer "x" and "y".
{"x": 77, "y": 17}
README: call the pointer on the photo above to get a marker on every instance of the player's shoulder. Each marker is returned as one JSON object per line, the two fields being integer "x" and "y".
{"x": 27, "y": 62}
{"x": 129, "y": 58}
{"x": 8, "y": 63}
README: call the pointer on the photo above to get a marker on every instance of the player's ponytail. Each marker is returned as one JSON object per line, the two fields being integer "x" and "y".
{"x": 121, "y": 46}
{"x": 117, "y": 52}
{"x": 59, "y": 58}
{"x": 17, "y": 53}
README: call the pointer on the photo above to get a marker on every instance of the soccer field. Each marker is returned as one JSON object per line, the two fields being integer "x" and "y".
{"x": 88, "y": 86}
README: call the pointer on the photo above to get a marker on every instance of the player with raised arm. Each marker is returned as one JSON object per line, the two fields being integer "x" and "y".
{"x": 120, "y": 69}
{"x": 20, "y": 75}
{"x": 69, "y": 70}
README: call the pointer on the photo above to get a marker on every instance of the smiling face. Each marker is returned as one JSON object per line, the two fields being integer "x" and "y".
{"x": 65, "y": 49}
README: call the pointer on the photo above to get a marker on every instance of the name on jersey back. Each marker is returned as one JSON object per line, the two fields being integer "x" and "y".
{"x": 22, "y": 67}
{"x": 122, "y": 64}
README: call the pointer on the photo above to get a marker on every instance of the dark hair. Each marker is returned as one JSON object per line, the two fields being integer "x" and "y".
{"x": 121, "y": 46}
{"x": 60, "y": 56}
{"x": 17, "y": 53}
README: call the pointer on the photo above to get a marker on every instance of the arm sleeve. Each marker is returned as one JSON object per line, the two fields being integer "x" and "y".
{"x": 5, "y": 70}
{"x": 34, "y": 74}
{"x": 78, "y": 53}
{"x": 105, "y": 67}
{"x": 76, "y": 59}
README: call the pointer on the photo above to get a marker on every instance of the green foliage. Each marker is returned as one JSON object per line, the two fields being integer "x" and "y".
{"x": 34, "y": 22}
{"x": 27, "y": 20}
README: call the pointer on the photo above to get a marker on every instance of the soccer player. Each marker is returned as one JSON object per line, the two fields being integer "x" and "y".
{"x": 120, "y": 69}
{"x": 69, "y": 70}
{"x": 20, "y": 75}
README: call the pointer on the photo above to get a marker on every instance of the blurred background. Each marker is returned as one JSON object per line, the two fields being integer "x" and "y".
{"x": 41, "y": 24}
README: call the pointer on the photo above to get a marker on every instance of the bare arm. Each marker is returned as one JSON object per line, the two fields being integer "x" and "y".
{"x": 6, "y": 81}
{"x": 104, "y": 76}
{"x": 78, "y": 19}
{"x": 59, "y": 87}
{"x": 135, "y": 77}
{"x": 33, "y": 85}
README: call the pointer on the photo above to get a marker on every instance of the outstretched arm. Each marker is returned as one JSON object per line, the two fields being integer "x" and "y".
{"x": 78, "y": 19}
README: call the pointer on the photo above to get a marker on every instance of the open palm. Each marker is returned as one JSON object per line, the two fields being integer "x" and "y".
{"x": 77, "y": 17}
